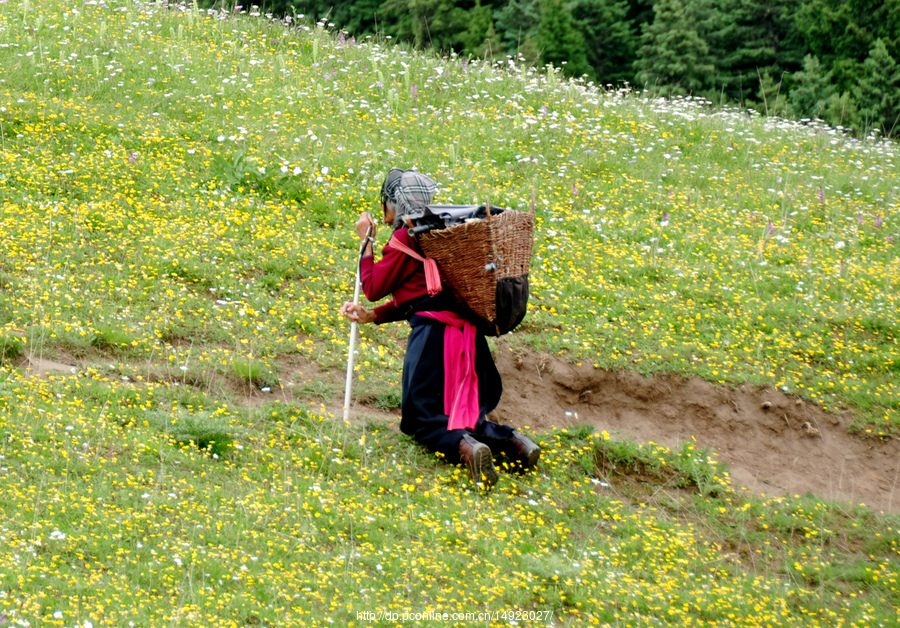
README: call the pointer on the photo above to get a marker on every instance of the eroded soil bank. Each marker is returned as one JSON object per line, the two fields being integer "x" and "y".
{"x": 773, "y": 444}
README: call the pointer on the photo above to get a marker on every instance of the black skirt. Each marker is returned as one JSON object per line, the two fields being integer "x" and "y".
{"x": 422, "y": 407}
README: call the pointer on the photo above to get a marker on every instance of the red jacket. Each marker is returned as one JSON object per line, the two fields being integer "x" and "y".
{"x": 396, "y": 274}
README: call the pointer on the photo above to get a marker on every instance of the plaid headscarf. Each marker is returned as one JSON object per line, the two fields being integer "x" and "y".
{"x": 410, "y": 191}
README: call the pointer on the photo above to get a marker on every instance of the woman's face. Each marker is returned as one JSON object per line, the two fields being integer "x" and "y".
{"x": 388, "y": 214}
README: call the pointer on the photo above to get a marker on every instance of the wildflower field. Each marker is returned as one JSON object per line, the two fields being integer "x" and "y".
{"x": 177, "y": 194}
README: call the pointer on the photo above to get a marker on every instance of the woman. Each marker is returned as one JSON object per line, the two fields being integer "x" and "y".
{"x": 450, "y": 381}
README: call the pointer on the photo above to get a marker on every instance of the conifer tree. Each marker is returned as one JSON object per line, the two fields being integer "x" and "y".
{"x": 811, "y": 90}
{"x": 878, "y": 91}
{"x": 640, "y": 12}
{"x": 609, "y": 36}
{"x": 480, "y": 38}
{"x": 840, "y": 110}
{"x": 559, "y": 41}
{"x": 436, "y": 24}
{"x": 841, "y": 33}
{"x": 516, "y": 23}
{"x": 674, "y": 57}
{"x": 751, "y": 38}
{"x": 363, "y": 17}
{"x": 771, "y": 94}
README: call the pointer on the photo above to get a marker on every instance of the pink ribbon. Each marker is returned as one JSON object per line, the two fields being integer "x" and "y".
{"x": 460, "y": 378}
{"x": 432, "y": 274}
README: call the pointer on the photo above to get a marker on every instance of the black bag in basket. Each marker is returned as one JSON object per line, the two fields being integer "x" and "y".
{"x": 483, "y": 254}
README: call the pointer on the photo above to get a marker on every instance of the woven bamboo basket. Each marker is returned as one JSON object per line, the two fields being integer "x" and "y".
{"x": 474, "y": 256}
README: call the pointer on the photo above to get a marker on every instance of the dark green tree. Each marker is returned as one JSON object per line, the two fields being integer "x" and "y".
{"x": 480, "y": 38}
{"x": 314, "y": 10}
{"x": 841, "y": 110}
{"x": 772, "y": 98}
{"x": 842, "y": 32}
{"x": 559, "y": 40}
{"x": 751, "y": 38}
{"x": 363, "y": 18}
{"x": 674, "y": 56}
{"x": 640, "y": 12}
{"x": 436, "y": 24}
{"x": 610, "y": 38}
{"x": 516, "y": 23}
{"x": 811, "y": 89}
{"x": 813, "y": 94}
{"x": 878, "y": 91}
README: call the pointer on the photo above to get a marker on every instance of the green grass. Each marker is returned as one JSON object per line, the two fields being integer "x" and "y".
{"x": 177, "y": 195}
{"x": 253, "y": 372}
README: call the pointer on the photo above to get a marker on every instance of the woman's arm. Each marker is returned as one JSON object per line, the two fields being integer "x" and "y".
{"x": 383, "y": 277}
{"x": 386, "y": 313}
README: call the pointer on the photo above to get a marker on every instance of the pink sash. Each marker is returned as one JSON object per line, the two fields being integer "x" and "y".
{"x": 460, "y": 378}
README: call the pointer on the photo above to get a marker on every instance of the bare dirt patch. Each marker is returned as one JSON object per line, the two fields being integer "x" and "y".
{"x": 38, "y": 366}
{"x": 773, "y": 444}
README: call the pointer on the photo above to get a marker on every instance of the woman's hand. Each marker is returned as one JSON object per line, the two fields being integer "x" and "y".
{"x": 357, "y": 313}
{"x": 364, "y": 224}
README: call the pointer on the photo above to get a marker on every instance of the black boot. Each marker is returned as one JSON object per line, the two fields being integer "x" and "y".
{"x": 477, "y": 457}
{"x": 522, "y": 450}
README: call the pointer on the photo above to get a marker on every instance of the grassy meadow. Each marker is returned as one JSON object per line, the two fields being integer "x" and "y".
{"x": 177, "y": 194}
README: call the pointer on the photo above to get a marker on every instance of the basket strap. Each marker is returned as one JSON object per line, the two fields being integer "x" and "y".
{"x": 432, "y": 276}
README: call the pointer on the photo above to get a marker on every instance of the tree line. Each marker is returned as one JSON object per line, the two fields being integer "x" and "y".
{"x": 831, "y": 59}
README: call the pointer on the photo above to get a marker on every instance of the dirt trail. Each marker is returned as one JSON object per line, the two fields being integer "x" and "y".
{"x": 773, "y": 444}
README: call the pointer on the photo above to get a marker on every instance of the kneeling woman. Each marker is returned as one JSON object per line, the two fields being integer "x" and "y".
{"x": 450, "y": 381}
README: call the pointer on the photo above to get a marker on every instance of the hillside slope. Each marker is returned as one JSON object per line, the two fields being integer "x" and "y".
{"x": 177, "y": 191}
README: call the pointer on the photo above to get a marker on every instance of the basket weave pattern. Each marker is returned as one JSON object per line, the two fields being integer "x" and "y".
{"x": 473, "y": 256}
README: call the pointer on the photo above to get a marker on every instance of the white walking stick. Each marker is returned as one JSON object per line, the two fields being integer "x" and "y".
{"x": 347, "y": 387}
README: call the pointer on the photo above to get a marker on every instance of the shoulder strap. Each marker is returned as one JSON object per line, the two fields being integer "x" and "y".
{"x": 432, "y": 276}
{"x": 395, "y": 243}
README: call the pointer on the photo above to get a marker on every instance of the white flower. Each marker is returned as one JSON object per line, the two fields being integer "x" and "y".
{"x": 839, "y": 245}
